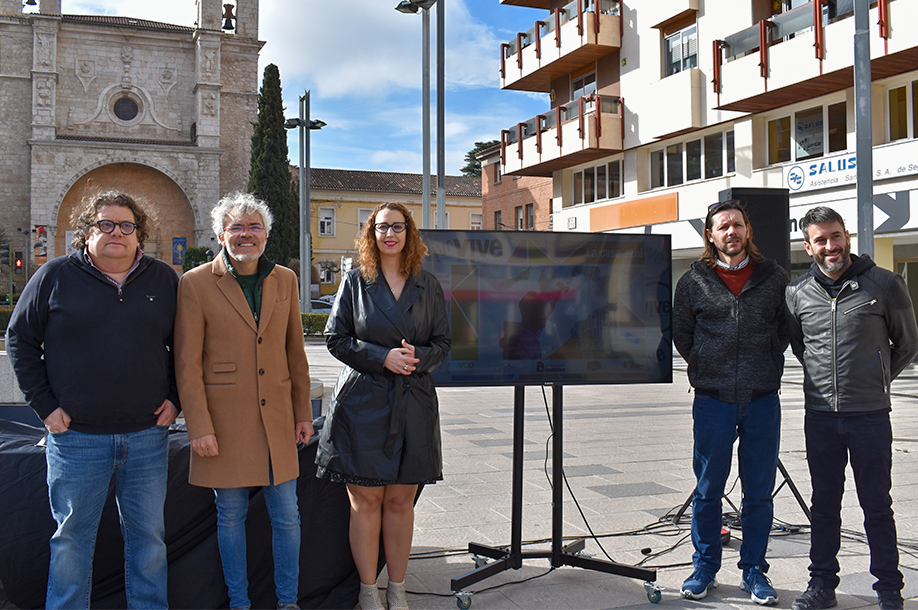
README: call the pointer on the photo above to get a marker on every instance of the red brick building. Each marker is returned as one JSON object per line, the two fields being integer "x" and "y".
{"x": 513, "y": 202}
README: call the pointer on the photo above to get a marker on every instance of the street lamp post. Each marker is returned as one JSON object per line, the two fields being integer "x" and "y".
{"x": 412, "y": 6}
{"x": 305, "y": 125}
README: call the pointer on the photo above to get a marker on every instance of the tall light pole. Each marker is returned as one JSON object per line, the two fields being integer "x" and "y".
{"x": 412, "y": 6}
{"x": 441, "y": 117}
{"x": 862, "y": 127}
{"x": 305, "y": 125}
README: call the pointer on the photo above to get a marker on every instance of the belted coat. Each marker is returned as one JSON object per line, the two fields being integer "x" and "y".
{"x": 246, "y": 383}
{"x": 381, "y": 425}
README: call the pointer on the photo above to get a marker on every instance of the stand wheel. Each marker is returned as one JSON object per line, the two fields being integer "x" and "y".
{"x": 464, "y": 600}
{"x": 654, "y": 592}
{"x": 479, "y": 561}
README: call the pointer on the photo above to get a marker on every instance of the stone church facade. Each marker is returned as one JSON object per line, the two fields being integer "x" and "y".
{"x": 90, "y": 103}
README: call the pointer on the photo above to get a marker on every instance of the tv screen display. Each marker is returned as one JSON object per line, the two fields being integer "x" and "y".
{"x": 530, "y": 308}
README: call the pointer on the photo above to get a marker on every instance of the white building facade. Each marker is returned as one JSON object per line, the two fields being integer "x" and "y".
{"x": 659, "y": 105}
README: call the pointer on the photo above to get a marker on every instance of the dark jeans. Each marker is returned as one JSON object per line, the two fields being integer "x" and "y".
{"x": 717, "y": 425}
{"x": 867, "y": 439}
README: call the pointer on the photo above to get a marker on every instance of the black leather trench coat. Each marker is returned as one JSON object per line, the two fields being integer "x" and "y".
{"x": 381, "y": 425}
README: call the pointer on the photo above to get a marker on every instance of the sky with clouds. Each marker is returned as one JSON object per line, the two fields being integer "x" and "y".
{"x": 361, "y": 60}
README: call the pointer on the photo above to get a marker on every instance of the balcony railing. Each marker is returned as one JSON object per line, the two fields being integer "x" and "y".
{"x": 560, "y": 17}
{"x": 548, "y": 130}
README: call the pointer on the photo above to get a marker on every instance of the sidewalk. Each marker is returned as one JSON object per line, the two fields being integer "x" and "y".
{"x": 627, "y": 458}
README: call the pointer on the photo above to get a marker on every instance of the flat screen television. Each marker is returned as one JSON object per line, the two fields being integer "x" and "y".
{"x": 533, "y": 308}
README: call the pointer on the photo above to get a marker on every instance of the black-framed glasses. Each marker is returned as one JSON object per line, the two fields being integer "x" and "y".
{"x": 240, "y": 229}
{"x": 107, "y": 226}
{"x": 396, "y": 227}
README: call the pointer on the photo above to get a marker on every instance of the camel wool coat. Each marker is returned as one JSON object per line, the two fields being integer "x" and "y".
{"x": 246, "y": 383}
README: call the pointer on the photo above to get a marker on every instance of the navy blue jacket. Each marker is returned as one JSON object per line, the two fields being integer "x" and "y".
{"x": 102, "y": 353}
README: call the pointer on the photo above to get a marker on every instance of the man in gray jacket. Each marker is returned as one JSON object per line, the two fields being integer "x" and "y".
{"x": 729, "y": 325}
{"x": 853, "y": 327}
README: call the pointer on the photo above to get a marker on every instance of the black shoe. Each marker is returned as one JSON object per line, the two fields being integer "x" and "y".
{"x": 816, "y": 598}
{"x": 890, "y": 600}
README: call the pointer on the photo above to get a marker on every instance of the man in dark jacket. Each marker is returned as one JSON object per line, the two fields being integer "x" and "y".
{"x": 853, "y": 327}
{"x": 90, "y": 342}
{"x": 729, "y": 325}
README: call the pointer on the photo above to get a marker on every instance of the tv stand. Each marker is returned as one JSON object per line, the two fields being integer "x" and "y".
{"x": 507, "y": 558}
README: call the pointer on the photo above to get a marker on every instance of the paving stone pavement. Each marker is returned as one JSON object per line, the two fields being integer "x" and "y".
{"x": 627, "y": 459}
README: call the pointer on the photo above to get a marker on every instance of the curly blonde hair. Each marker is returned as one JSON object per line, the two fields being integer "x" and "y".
{"x": 412, "y": 255}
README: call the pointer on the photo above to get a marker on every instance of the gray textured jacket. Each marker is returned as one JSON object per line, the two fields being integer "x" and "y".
{"x": 854, "y": 345}
{"x": 734, "y": 345}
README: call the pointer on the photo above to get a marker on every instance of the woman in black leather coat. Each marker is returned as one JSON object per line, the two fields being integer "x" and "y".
{"x": 382, "y": 432}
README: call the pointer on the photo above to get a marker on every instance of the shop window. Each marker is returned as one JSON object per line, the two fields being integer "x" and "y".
{"x": 898, "y": 114}
{"x": 779, "y": 140}
{"x": 808, "y": 133}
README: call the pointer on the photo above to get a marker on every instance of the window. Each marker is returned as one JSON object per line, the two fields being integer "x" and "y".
{"x": 125, "y": 109}
{"x": 683, "y": 162}
{"x": 693, "y": 160}
{"x": 598, "y": 183}
{"x": 680, "y": 50}
{"x": 713, "y": 160}
{"x": 498, "y": 225}
{"x": 674, "y": 165}
{"x": 898, "y": 114}
{"x": 615, "y": 179}
{"x": 817, "y": 131}
{"x": 838, "y": 127}
{"x": 362, "y": 215}
{"x": 497, "y": 173}
{"x": 519, "y": 217}
{"x": 475, "y": 221}
{"x": 326, "y": 272}
{"x": 808, "y": 128}
{"x": 585, "y": 85}
{"x": 779, "y": 140}
{"x": 530, "y": 216}
{"x": 327, "y": 221}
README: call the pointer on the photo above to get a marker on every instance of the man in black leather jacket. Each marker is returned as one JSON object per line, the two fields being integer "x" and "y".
{"x": 853, "y": 327}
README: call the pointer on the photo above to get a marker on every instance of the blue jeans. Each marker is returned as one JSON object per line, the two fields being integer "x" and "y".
{"x": 80, "y": 469}
{"x": 867, "y": 439}
{"x": 717, "y": 425}
{"x": 232, "y": 507}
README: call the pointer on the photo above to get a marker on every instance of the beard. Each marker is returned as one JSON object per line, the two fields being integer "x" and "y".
{"x": 832, "y": 268}
{"x": 243, "y": 257}
{"x": 732, "y": 249}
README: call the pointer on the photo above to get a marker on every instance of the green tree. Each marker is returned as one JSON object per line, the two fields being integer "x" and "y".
{"x": 269, "y": 176}
{"x": 473, "y": 165}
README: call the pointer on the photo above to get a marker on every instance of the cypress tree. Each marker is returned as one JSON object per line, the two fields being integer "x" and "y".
{"x": 269, "y": 176}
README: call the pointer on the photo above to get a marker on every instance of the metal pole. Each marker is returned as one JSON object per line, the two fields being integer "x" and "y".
{"x": 441, "y": 119}
{"x": 304, "y": 302}
{"x": 305, "y": 229}
{"x": 425, "y": 104}
{"x": 862, "y": 127}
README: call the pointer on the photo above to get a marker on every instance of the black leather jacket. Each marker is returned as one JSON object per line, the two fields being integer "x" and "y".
{"x": 381, "y": 425}
{"x": 854, "y": 345}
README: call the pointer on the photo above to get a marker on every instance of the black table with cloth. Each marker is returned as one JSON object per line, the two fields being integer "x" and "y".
{"x": 328, "y": 578}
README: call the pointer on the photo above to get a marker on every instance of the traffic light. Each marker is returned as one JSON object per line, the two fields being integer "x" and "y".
{"x": 5, "y": 254}
{"x": 17, "y": 263}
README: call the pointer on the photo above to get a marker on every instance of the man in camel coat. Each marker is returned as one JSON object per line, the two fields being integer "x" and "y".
{"x": 244, "y": 383}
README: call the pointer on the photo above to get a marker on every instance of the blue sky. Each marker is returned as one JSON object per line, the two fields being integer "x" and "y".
{"x": 362, "y": 64}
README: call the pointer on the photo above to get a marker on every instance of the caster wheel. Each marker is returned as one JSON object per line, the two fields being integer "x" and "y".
{"x": 464, "y": 600}
{"x": 654, "y": 592}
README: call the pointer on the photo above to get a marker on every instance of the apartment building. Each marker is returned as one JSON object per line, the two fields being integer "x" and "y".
{"x": 659, "y": 105}
{"x": 342, "y": 200}
{"x": 519, "y": 203}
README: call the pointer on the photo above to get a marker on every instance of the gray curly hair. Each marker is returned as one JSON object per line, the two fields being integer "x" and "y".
{"x": 237, "y": 204}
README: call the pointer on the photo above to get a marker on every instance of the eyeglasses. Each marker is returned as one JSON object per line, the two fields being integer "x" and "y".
{"x": 396, "y": 227}
{"x": 107, "y": 226}
{"x": 240, "y": 229}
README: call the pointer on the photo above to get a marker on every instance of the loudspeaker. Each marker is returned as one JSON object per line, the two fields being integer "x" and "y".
{"x": 769, "y": 215}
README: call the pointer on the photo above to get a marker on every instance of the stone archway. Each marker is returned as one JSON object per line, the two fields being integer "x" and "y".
{"x": 156, "y": 191}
